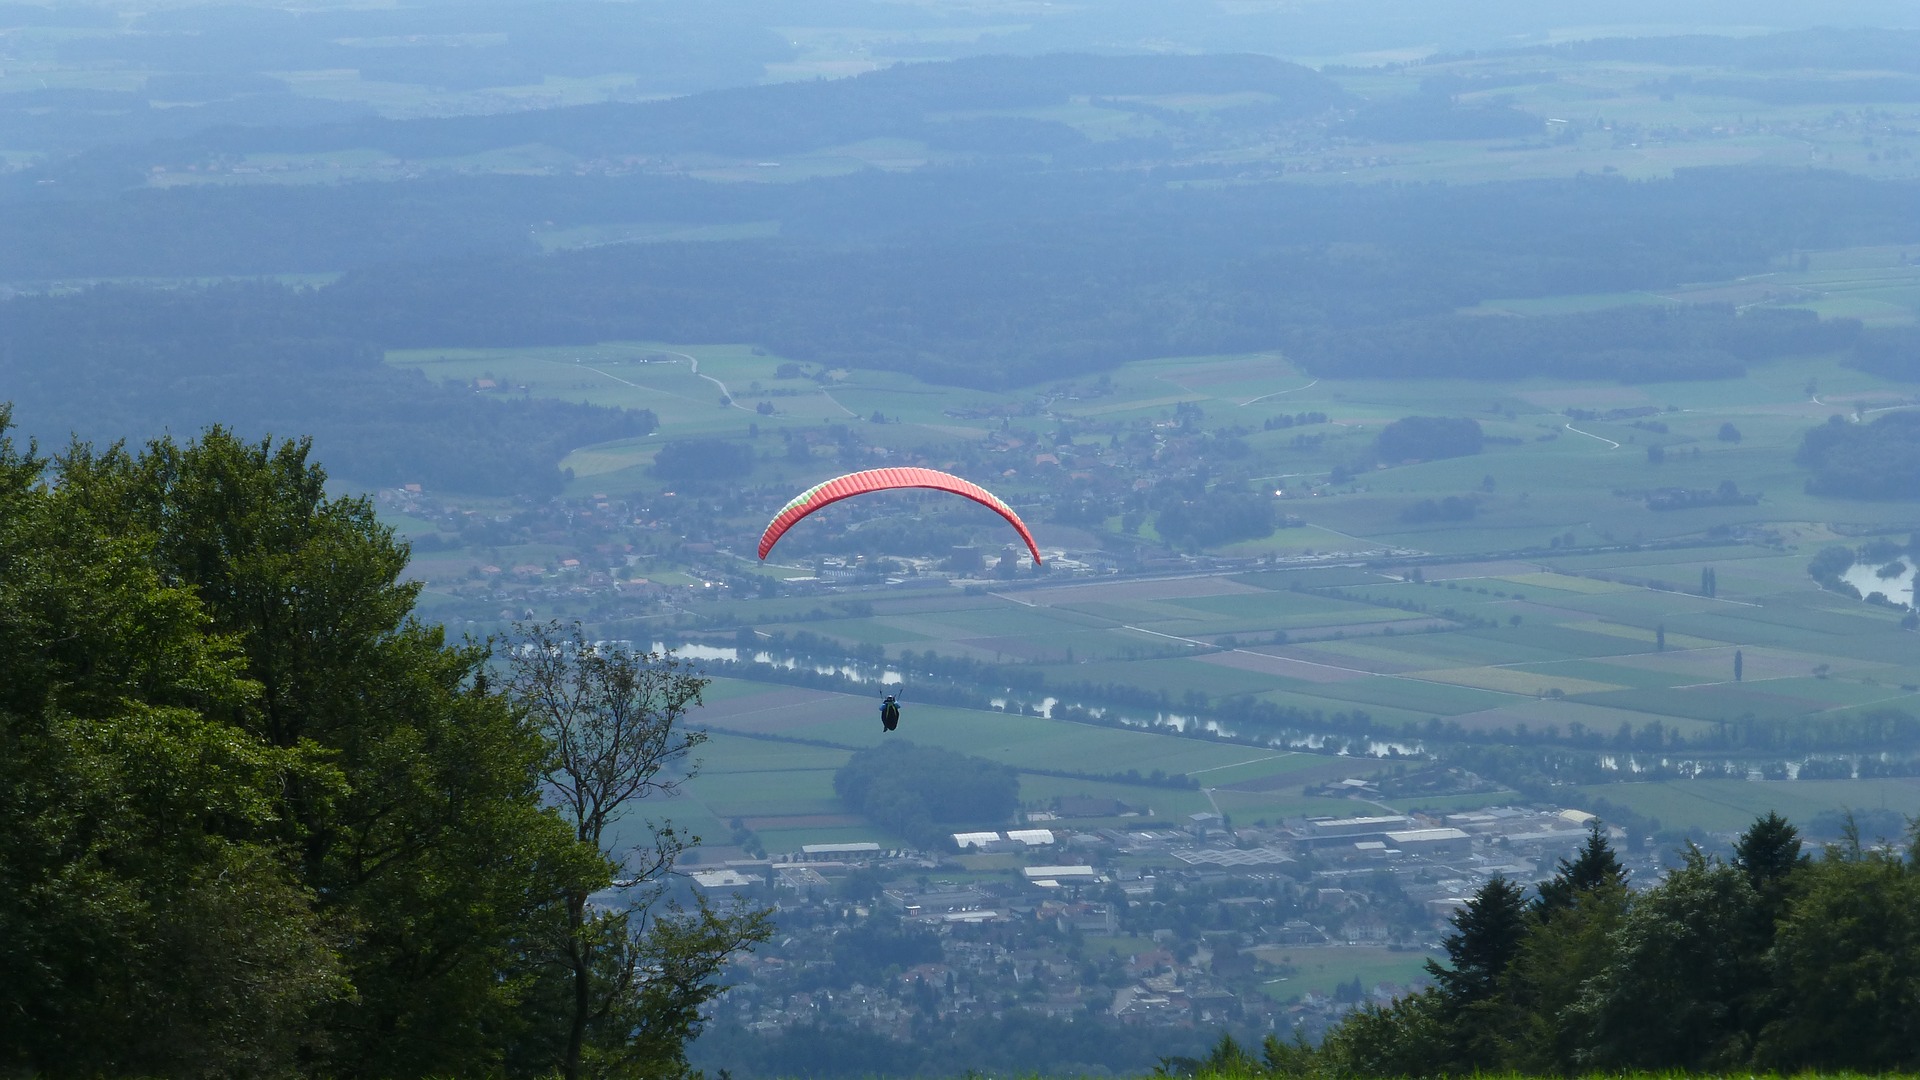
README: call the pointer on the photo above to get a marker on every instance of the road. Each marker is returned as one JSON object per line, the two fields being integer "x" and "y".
{"x": 695, "y": 362}
{"x": 1591, "y": 435}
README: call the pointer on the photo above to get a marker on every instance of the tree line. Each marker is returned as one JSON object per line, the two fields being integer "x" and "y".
{"x": 116, "y": 363}
{"x": 1875, "y": 460}
{"x": 974, "y": 276}
{"x": 1769, "y": 960}
{"x": 257, "y": 819}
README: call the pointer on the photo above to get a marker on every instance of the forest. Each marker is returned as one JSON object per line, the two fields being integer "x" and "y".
{"x": 1875, "y": 460}
{"x": 1017, "y": 277}
{"x": 116, "y": 363}
{"x": 255, "y": 817}
{"x": 924, "y": 793}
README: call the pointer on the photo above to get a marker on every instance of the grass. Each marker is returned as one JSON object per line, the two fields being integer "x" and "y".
{"x": 1732, "y": 805}
{"x": 1302, "y": 969}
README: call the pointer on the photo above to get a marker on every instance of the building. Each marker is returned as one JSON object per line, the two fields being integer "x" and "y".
{"x": 1060, "y": 875}
{"x": 831, "y": 852}
{"x": 1347, "y": 828}
{"x": 1432, "y": 843}
{"x": 1032, "y": 837}
{"x": 723, "y": 879}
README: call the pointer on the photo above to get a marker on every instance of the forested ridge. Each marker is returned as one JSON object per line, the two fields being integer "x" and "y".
{"x": 255, "y": 819}
{"x": 1029, "y": 254}
{"x": 979, "y": 278}
{"x": 115, "y": 363}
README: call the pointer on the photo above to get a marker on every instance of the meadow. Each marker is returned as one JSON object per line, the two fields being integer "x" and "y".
{"x": 753, "y": 771}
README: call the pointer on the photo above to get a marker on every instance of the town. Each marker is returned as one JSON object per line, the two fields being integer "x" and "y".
{"x": 1195, "y": 923}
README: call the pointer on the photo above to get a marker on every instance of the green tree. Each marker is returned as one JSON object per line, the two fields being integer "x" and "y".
{"x": 1562, "y": 956}
{"x": 255, "y": 819}
{"x": 437, "y": 844}
{"x": 1846, "y": 962}
{"x": 1410, "y": 1037}
{"x": 635, "y": 979}
{"x": 1769, "y": 854}
{"x": 1487, "y": 937}
{"x": 149, "y": 921}
{"x": 1594, "y": 867}
{"x": 1687, "y": 959}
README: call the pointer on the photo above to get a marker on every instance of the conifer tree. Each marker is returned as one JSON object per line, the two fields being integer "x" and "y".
{"x": 1769, "y": 853}
{"x": 1594, "y": 867}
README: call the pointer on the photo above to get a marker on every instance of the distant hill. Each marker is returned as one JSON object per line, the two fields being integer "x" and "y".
{"x": 904, "y": 101}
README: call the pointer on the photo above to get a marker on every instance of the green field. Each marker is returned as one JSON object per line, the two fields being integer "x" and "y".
{"x": 1318, "y": 969}
{"x": 783, "y": 791}
{"x": 1732, "y": 805}
{"x": 1562, "y": 638}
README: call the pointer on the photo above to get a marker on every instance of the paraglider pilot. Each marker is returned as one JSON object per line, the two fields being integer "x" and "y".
{"x": 889, "y": 713}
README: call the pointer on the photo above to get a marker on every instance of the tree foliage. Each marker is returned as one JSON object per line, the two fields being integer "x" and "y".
{"x": 1773, "y": 962}
{"x": 1423, "y": 438}
{"x": 255, "y": 818}
{"x": 923, "y": 792}
{"x": 1877, "y": 460}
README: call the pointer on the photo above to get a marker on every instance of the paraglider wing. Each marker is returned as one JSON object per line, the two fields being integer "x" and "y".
{"x": 860, "y": 483}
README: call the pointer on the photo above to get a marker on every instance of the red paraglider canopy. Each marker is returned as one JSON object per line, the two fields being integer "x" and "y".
{"x": 860, "y": 483}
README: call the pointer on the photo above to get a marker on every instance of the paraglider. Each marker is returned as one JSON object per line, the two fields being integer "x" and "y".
{"x": 861, "y": 483}
{"x": 889, "y": 713}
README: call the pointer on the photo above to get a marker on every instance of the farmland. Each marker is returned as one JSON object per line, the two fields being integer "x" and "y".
{"x": 1566, "y": 612}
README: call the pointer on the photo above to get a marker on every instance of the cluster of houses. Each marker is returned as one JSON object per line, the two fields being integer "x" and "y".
{"x": 1161, "y": 924}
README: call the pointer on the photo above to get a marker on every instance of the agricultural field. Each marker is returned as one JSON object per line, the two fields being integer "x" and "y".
{"x": 753, "y": 772}
{"x": 1732, "y": 805}
{"x": 1564, "y": 610}
{"x": 1304, "y": 969}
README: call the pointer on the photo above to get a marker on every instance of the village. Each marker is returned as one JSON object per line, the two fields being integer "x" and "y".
{"x": 1193, "y": 925}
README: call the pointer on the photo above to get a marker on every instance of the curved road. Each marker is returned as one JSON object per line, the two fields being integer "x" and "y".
{"x": 695, "y": 362}
{"x": 1591, "y": 435}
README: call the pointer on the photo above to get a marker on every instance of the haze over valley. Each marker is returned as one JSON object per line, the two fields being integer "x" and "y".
{"x": 1466, "y": 442}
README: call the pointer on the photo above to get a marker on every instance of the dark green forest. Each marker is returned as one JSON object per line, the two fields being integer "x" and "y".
{"x": 1032, "y": 255}
{"x": 1876, "y": 460}
{"x": 1771, "y": 961}
{"x": 923, "y": 792}
{"x": 256, "y": 819}
{"x": 112, "y": 363}
{"x": 1017, "y": 277}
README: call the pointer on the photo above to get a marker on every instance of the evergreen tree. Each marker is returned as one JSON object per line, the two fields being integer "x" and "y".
{"x": 1771, "y": 962}
{"x": 1544, "y": 1034}
{"x": 1769, "y": 853}
{"x": 1594, "y": 867}
{"x": 1487, "y": 937}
